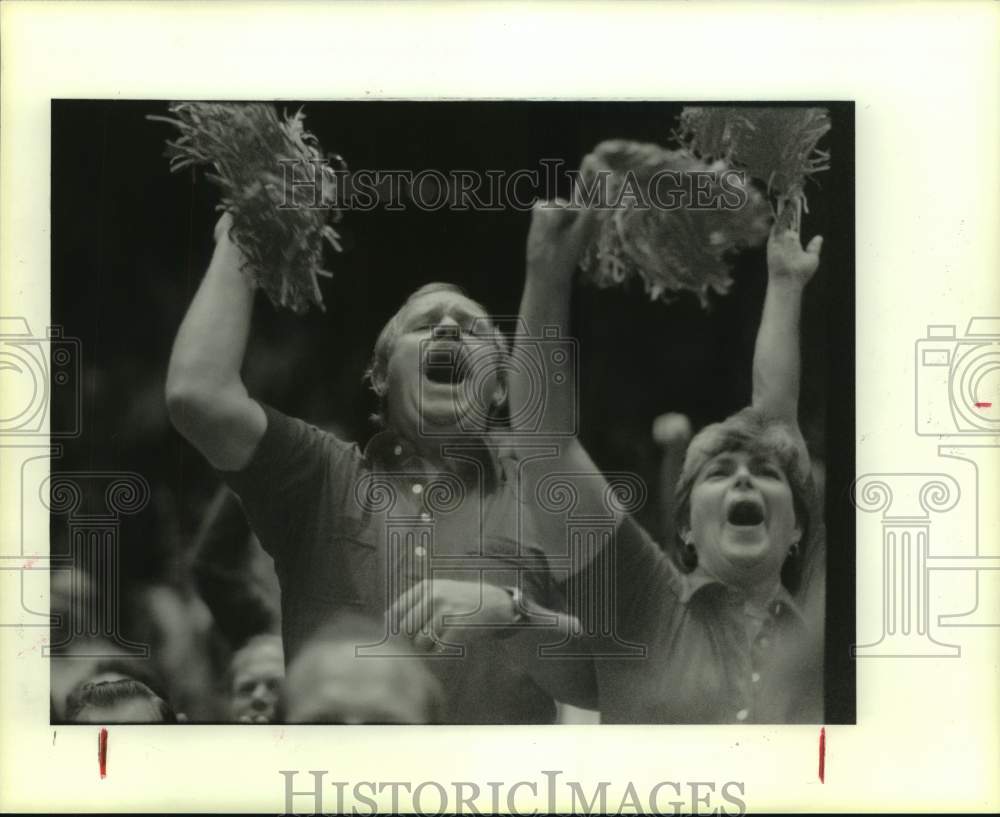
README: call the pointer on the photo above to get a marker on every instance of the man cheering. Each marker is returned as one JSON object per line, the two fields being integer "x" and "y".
{"x": 353, "y": 529}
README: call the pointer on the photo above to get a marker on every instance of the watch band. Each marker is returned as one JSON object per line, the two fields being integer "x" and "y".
{"x": 517, "y": 599}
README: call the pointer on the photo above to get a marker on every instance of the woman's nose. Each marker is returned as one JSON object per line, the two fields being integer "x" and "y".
{"x": 742, "y": 476}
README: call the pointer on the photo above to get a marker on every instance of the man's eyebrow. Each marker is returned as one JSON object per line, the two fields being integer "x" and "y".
{"x": 431, "y": 313}
{"x": 460, "y": 310}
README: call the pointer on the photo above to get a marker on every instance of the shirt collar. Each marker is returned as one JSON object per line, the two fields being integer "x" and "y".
{"x": 390, "y": 451}
{"x": 697, "y": 581}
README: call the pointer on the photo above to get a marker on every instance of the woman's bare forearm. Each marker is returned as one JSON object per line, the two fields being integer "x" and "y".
{"x": 777, "y": 359}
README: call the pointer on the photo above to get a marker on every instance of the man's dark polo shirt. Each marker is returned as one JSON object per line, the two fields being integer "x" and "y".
{"x": 351, "y": 529}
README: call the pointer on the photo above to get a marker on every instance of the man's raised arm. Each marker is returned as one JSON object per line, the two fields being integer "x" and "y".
{"x": 777, "y": 359}
{"x": 206, "y": 398}
{"x": 558, "y": 235}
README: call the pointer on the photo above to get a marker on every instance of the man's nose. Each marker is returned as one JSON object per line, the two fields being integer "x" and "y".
{"x": 260, "y": 692}
{"x": 447, "y": 327}
{"x": 742, "y": 476}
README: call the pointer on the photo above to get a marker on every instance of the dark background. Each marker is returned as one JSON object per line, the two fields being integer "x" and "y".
{"x": 130, "y": 242}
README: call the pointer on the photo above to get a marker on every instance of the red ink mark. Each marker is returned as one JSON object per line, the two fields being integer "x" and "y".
{"x": 983, "y": 405}
{"x": 102, "y": 751}
{"x": 30, "y": 563}
{"x": 822, "y": 755}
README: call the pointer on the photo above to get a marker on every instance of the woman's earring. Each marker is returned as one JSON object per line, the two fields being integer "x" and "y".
{"x": 690, "y": 557}
{"x": 793, "y": 551}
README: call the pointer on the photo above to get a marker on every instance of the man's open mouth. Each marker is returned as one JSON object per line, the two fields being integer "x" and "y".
{"x": 446, "y": 363}
{"x": 745, "y": 512}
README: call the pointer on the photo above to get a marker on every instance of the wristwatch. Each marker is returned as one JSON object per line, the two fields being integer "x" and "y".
{"x": 517, "y": 599}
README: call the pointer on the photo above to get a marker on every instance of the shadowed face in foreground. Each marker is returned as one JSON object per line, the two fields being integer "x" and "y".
{"x": 257, "y": 672}
{"x": 329, "y": 683}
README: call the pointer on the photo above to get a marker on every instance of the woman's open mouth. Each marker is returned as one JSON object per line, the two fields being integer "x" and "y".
{"x": 745, "y": 513}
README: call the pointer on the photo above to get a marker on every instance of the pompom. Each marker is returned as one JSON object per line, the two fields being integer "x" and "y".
{"x": 776, "y": 146}
{"x": 670, "y": 249}
{"x": 245, "y": 144}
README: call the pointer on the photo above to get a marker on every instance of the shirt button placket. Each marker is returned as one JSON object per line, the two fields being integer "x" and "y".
{"x": 425, "y": 516}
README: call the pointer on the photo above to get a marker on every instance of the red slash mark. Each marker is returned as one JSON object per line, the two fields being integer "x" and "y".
{"x": 102, "y": 751}
{"x": 822, "y": 755}
{"x": 983, "y": 405}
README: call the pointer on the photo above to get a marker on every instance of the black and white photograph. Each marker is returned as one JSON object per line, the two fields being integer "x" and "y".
{"x": 499, "y": 408}
{"x": 454, "y": 412}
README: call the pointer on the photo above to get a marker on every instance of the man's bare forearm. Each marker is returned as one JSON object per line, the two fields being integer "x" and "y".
{"x": 545, "y": 300}
{"x": 545, "y": 303}
{"x": 206, "y": 398}
{"x": 555, "y": 243}
{"x": 211, "y": 342}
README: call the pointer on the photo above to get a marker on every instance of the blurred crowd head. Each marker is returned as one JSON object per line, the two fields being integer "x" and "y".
{"x": 348, "y": 673}
{"x": 118, "y": 692}
{"x": 256, "y": 673}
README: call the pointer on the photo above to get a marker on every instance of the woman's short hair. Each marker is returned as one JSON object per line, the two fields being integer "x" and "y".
{"x": 752, "y": 431}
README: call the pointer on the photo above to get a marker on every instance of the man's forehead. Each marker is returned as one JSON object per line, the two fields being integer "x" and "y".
{"x": 252, "y": 658}
{"x": 442, "y": 303}
{"x": 264, "y": 665}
